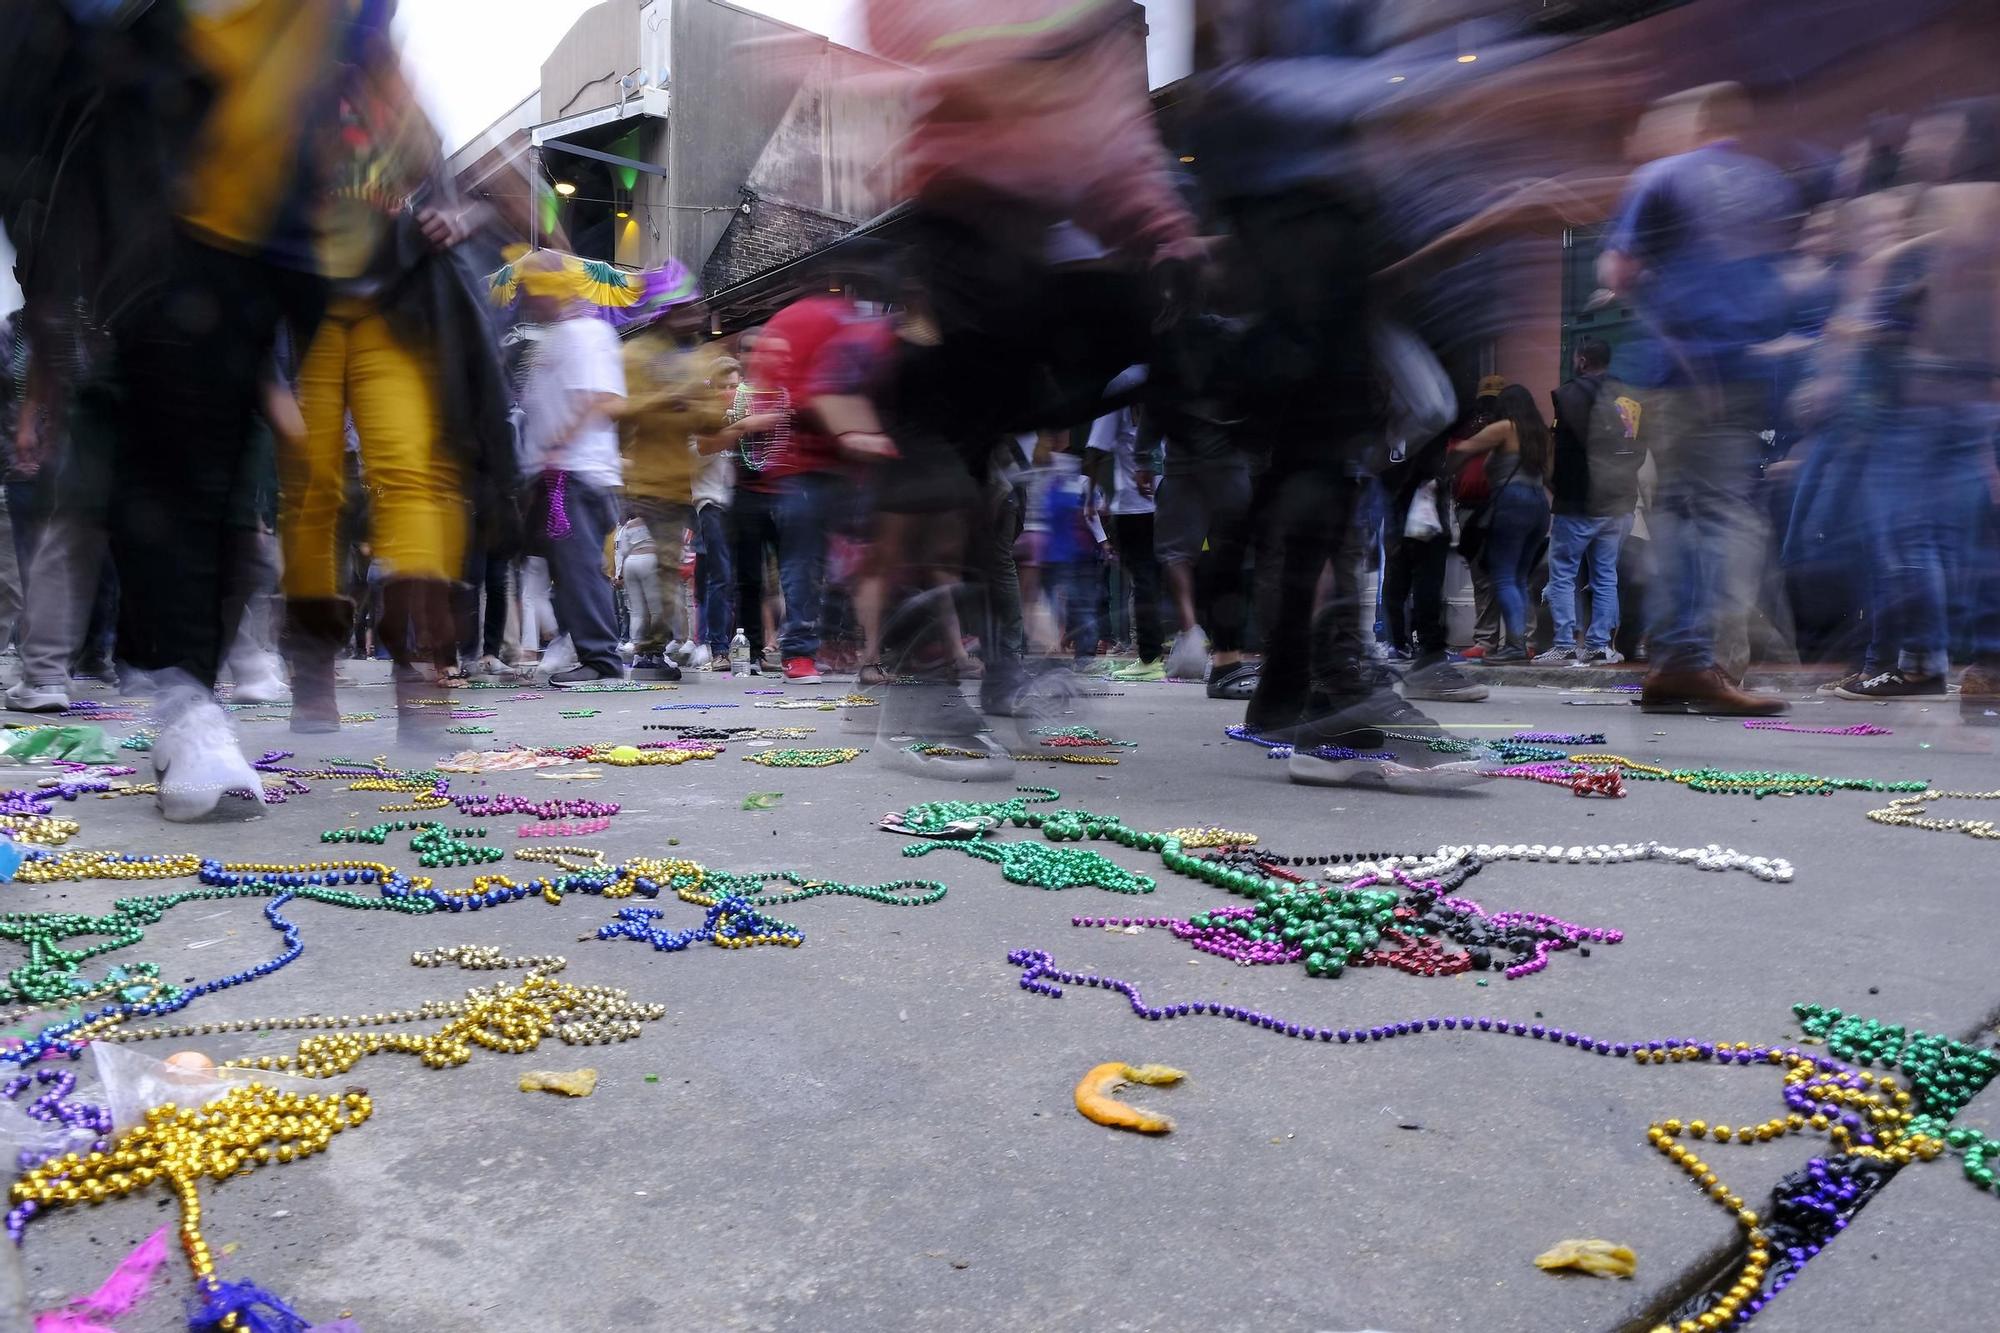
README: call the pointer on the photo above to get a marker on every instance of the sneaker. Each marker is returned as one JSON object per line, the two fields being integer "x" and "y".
{"x": 1846, "y": 682}
{"x": 651, "y": 666}
{"x": 1895, "y": 684}
{"x": 196, "y": 760}
{"x": 261, "y": 683}
{"x": 1507, "y": 654}
{"x": 1236, "y": 681}
{"x": 682, "y": 653}
{"x": 1352, "y": 744}
{"x": 1441, "y": 682}
{"x": 700, "y": 658}
{"x": 558, "y": 657}
{"x": 1599, "y": 657}
{"x": 26, "y": 698}
{"x": 1141, "y": 671}
{"x": 801, "y": 671}
{"x": 1560, "y": 655}
{"x": 100, "y": 669}
{"x": 1187, "y": 659}
{"x": 1475, "y": 653}
{"x": 1979, "y": 695}
{"x": 1091, "y": 666}
{"x": 580, "y": 675}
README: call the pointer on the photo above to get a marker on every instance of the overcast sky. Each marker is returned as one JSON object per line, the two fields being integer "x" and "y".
{"x": 475, "y": 59}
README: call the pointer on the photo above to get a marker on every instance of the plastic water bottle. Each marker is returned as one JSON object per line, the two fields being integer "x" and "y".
{"x": 739, "y": 655}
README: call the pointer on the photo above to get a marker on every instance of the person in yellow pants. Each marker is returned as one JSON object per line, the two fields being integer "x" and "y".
{"x": 357, "y": 365}
{"x": 384, "y": 356}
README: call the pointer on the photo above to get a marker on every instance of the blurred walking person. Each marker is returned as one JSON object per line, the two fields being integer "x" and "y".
{"x": 1696, "y": 247}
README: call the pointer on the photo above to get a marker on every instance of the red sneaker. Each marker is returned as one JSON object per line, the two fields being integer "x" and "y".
{"x": 1474, "y": 653}
{"x": 801, "y": 671}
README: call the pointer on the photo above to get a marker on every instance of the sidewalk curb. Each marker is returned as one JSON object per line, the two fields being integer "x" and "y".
{"x": 1784, "y": 681}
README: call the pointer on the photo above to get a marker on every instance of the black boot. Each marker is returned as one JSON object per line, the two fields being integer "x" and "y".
{"x": 315, "y": 629}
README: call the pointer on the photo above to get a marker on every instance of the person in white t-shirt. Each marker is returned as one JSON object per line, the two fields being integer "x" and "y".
{"x": 569, "y": 447}
{"x": 1129, "y": 482}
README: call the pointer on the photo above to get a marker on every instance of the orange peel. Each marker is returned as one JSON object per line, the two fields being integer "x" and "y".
{"x": 1093, "y": 1097}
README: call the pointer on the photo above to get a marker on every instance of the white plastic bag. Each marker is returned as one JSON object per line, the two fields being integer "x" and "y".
{"x": 1423, "y": 523}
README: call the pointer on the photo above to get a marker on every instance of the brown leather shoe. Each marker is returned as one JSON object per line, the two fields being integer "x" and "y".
{"x": 1704, "y": 693}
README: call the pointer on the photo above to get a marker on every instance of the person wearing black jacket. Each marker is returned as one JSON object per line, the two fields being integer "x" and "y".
{"x": 1413, "y": 570}
{"x": 1595, "y": 485}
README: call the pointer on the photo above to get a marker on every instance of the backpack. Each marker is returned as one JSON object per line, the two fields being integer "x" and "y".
{"x": 1615, "y": 445}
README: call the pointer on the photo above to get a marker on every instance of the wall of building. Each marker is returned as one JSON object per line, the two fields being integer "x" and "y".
{"x": 732, "y": 85}
{"x": 600, "y": 48}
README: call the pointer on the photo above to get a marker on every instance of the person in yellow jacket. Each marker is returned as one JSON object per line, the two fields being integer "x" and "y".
{"x": 675, "y": 394}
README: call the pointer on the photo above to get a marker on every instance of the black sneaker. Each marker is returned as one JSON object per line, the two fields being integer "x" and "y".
{"x": 1233, "y": 682}
{"x": 654, "y": 666}
{"x": 1378, "y": 740}
{"x": 1441, "y": 682}
{"x": 580, "y": 675}
{"x": 1846, "y": 682}
{"x": 1509, "y": 654}
{"x": 1894, "y": 684}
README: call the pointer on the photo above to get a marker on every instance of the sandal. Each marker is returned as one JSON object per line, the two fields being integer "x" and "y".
{"x": 872, "y": 674}
{"x": 1237, "y": 682}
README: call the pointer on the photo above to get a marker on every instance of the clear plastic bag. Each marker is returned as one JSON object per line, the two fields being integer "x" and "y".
{"x": 134, "y": 1084}
{"x": 22, "y": 1133}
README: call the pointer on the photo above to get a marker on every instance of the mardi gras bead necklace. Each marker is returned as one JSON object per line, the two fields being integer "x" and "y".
{"x": 1908, "y": 812}
{"x": 1100, "y": 759}
{"x": 929, "y": 819}
{"x": 803, "y": 758}
{"x": 711, "y": 887}
{"x": 177, "y": 1146}
{"x": 730, "y": 924}
{"x": 581, "y": 829}
{"x": 1858, "y": 729}
{"x": 1864, "y": 1115}
{"x": 1046, "y": 867}
{"x": 1757, "y": 782}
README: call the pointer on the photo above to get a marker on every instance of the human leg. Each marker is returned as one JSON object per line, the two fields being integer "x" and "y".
{"x": 1135, "y": 553}
{"x": 1519, "y": 513}
{"x": 1606, "y": 546}
{"x": 583, "y": 601}
{"x": 753, "y": 530}
{"x": 1570, "y": 539}
{"x": 712, "y": 568}
{"x": 801, "y": 521}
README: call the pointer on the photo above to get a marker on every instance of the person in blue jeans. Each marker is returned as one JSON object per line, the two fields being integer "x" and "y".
{"x": 1518, "y": 512}
{"x": 1594, "y": 479}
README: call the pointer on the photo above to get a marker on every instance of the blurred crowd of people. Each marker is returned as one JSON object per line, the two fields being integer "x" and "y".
{"x": 1223, "y": 414}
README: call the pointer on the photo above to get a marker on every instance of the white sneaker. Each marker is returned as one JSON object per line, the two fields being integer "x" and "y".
{"x": 27, "y": 698}
{"x": 557, "y": 658}
{"x": 260, "y": 682}
{"x": 196, "y": 759}
{"x": 1188, "y": 658}
{"x": 699, "y": 659}
{"x": 683, "y": 653}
